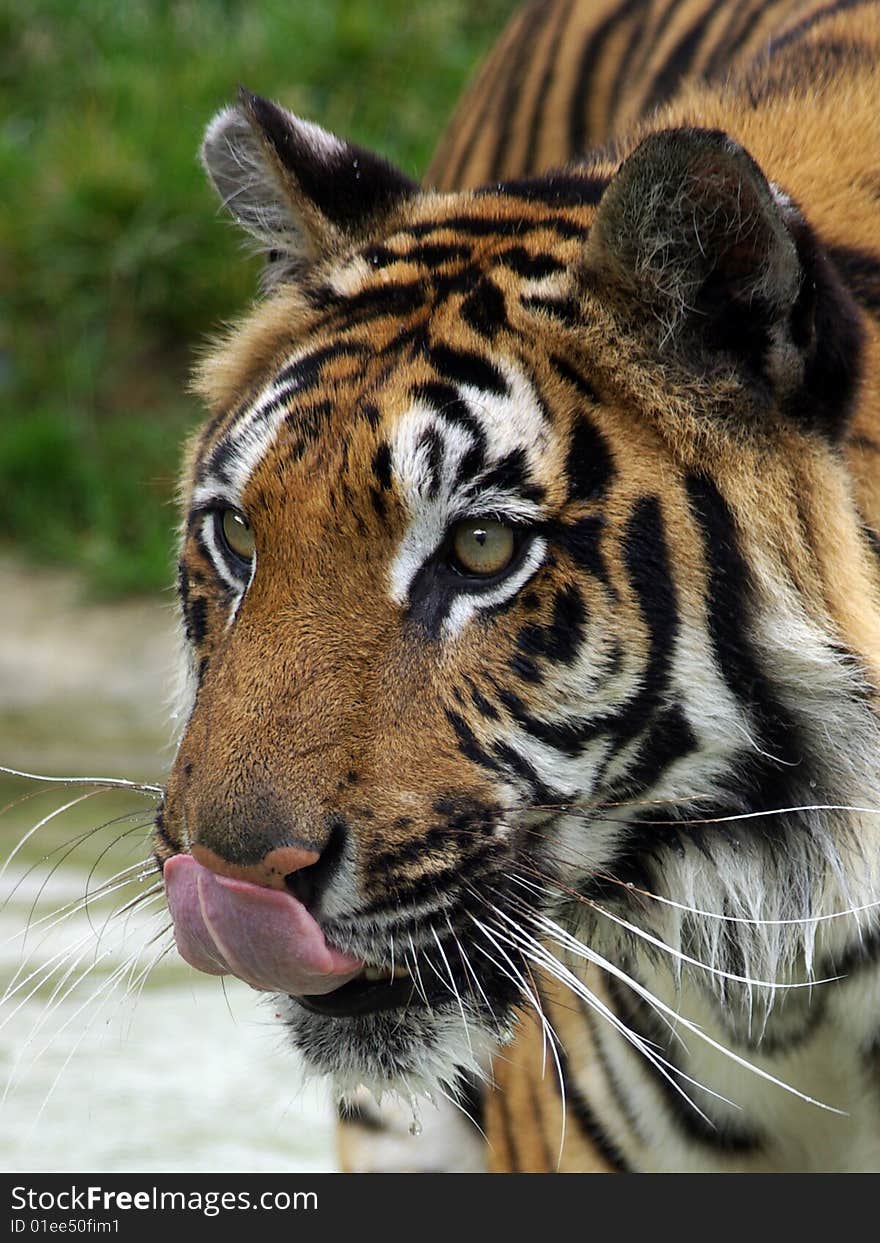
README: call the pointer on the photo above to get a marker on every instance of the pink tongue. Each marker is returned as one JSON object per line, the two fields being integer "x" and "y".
{"x": 263, "y": 936}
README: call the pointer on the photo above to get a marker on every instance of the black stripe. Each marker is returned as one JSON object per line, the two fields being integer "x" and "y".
{"x": 483, "y": 705}
{"x": 502, "y": 226}
{"x": 730, "y": 609}
{"x": 668, "y": 739}
{"x": 556, "y": 189}
{"x": 612, "y": 1079}
{"x": 569, "y": 738}
{"x": 578, "y": 1108}
{"x": 646, "y": 557}
{"x": 510, "y": 474}
{"x": 629, "y": 75}
{"x": 573, "y": 377}
{"x": 582, "y": 541}
{"x": 679, "y": 61}
{"x": 589, "y": 464}
{"x": 434, "y": 254}
{"x": 863, "y": 951}
{"x": 484, "y": 309}
{"x": 161, "y": 831}
{"x": 734, "y": 37}
{"x": 566, "y": 310}
{"x": 196, "y": 620}
{"x": 382, "y": 465}
{"x": 468, "y": 744}
{"x": 547, "y": 79}
{"x": 446, "y": 403}
{"x": 528, "y": 265}
{"x": 578, "y": 137}
{"x": 305, "y": 373}
{"x": 723, "y": 1137}
{"x": 433, "y": 444}
{"x": 561, "y": 641}
{"x": 400, "y": 299}
{"x": 397, "y": 893}
{"x": 797, "y": 32}
{"x": 519, "y": 766}
{"x": 515, "y": 72}
{"x": 464, "y": 367}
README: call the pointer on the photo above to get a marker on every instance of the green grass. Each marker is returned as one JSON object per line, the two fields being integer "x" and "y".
{"x": 113, "y": 262}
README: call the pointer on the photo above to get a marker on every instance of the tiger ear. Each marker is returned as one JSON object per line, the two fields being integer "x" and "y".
{"x": 717, "y": 267}
{"x": 300, "y": 191}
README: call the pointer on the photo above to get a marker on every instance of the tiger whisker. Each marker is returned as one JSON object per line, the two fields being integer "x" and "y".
{"x": 119, "y": 880}
{"x": 667, "y": 1069}
{"x": 648, "y": 1048}
{"x": 72, "y": 957}
{"x": 110, "y": 983}
{"x": 745, "y": 919}
{"x": 416, "y": 974}
{"x": 135, "y": 989}
{"x": 585, "y": 809}
{"x": 531, "y": 992}
{"x": 681, "y": 956}
{"x": 147, "y": 824}
{"x": 136, "y": 901}
{"x": 567, "y": 941}
{"x": 466, "y": 963}
{"x": 16, "y": 984}
{"x": 548, "y": 1032}
{"x": 45, "y": 970}
{"x": 85, "y": 902}
{"x": 68, "y": 848}
{"x": 108, "y": 783}
{"x": 60, "y": 861}
{"x": 57, "y": 811}
{"x": 455, "y": 991}
{"x": 59, "y": 994}
{"x": 527, "y": 910}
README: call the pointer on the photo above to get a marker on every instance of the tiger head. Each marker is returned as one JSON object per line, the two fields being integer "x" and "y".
{"x": 519, "y": 556}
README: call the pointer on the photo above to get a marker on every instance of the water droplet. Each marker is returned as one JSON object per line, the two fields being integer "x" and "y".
{"x": 415, "y": 1127}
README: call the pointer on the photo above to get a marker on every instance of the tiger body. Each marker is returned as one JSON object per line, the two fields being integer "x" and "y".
{"x": 594, "y": 817}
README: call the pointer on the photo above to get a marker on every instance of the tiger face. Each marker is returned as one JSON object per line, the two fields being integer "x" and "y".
{"x": 505, "y": 504}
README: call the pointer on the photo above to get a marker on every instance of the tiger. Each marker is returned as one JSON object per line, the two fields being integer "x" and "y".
{"x": 530, "y": 594}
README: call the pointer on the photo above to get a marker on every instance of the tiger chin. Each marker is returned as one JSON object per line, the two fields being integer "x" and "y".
{"x": 532, "y": 609}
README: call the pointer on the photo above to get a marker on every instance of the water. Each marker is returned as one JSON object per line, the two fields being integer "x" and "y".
{"x": 184, "y": 1072}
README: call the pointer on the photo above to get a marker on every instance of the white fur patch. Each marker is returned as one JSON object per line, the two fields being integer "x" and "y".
{"x": 511, "y": 422}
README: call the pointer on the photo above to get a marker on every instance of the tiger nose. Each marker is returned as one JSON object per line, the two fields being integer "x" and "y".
{"x": 275, "y": 870}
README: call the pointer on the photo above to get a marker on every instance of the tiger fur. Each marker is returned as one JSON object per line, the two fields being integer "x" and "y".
{"x": 610, "y": 804}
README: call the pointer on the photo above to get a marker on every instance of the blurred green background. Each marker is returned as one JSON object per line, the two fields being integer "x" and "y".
{"x": 114, "y": 264}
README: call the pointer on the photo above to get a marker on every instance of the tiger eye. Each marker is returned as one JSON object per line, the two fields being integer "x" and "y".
{"x": 483, "y": 547}
{"x": 237, "y": 533}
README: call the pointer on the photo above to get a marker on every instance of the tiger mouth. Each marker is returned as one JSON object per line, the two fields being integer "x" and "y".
{"x": 371, "y": 992}
{"x": 269, "y": 940}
